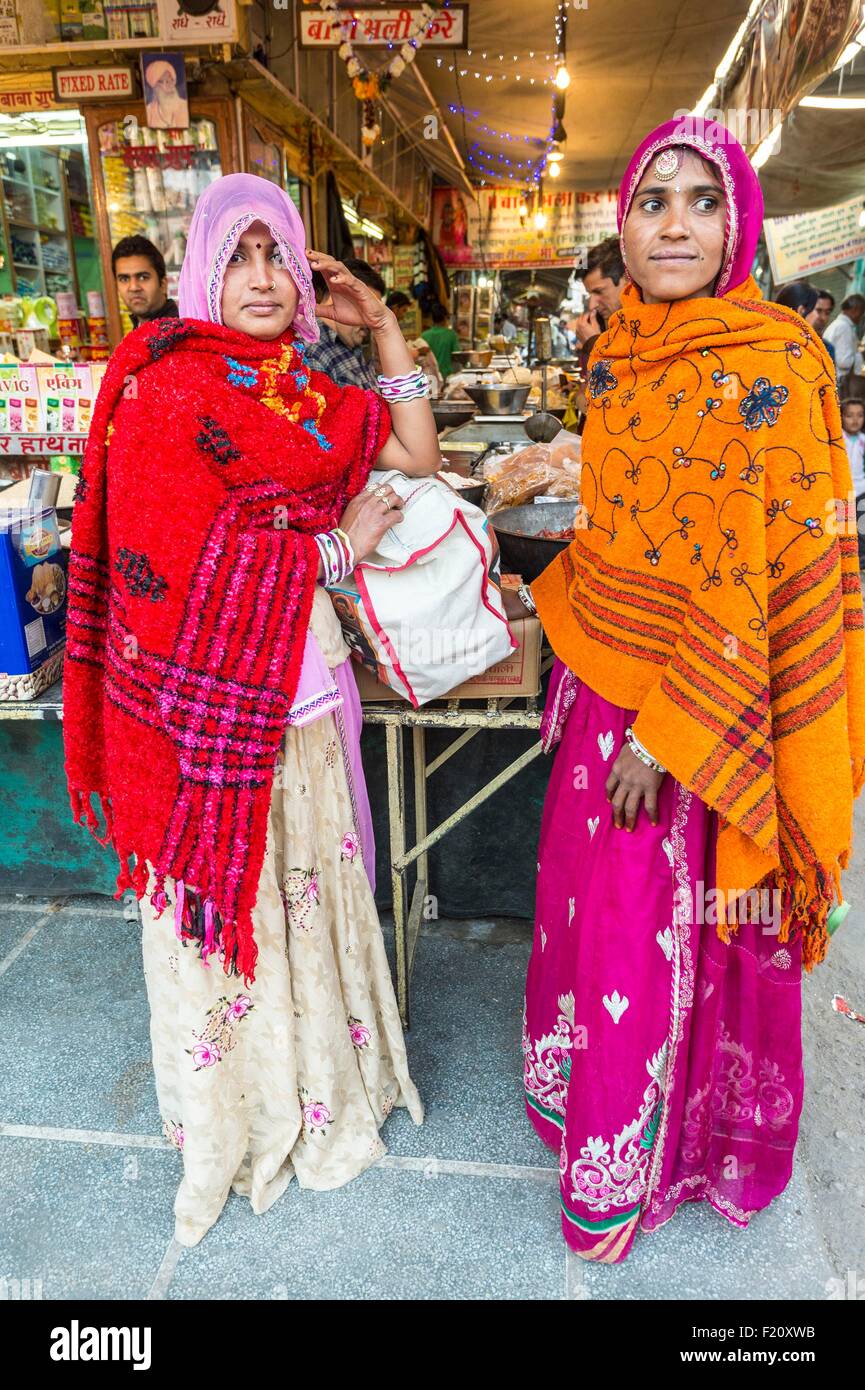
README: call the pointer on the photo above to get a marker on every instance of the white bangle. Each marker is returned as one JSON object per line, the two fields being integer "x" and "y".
{"x": 642, "y": 753}
{"x": 524, "y": 594}
{"x": 412, "y": 386}
{"x": 337, "y": 556}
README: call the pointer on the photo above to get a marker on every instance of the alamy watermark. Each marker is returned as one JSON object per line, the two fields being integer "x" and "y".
{"x": 747, "y": 125}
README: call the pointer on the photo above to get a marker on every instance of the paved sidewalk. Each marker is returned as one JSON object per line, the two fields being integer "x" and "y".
{"x": 465, "y": 1207}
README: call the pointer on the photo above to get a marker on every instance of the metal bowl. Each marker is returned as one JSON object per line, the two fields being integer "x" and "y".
{"x": 499, "y": 400}
{"x": 449, "y": 413}
{"x": 523, "y": 551}
{"x": 472, "y": 357}
{"x": 542, "y": 427}
{"x": 475, "y": 493}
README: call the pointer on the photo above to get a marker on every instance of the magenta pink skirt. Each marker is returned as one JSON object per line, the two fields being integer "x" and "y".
{"x": 661, "y": 1064}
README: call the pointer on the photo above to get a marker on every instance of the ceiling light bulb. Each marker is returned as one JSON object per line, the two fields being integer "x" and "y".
{"x": 524, "y": 208}
{"x": 554, "y": 169}
{"x": 563, "y": 78}
{"x": 540, "y": 219}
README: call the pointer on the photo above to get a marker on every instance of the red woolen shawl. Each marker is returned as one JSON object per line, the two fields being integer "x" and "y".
{"x": 213, "y": 459}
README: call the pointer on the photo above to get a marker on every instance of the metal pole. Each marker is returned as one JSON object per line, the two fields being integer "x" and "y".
{"x": 396, "y": 816}
{"x": 418, "y": 735}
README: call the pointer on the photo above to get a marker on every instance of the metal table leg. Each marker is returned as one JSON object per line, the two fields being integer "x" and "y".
{"x": 396, "y": 817}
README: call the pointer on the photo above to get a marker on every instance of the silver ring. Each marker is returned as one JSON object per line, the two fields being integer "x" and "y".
{"x": 380, "y": 491}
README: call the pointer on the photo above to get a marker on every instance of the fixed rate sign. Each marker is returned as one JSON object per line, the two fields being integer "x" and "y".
{"x": 83, "y": 84}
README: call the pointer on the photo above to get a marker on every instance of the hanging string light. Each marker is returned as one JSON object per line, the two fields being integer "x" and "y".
{"x": 562, "y": 78}
{"x": 475, "y": 116}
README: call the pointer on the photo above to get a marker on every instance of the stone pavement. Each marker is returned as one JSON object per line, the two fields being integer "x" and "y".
{"x": 463, "y": 1208}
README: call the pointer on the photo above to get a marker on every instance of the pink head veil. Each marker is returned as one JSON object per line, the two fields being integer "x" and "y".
{"x": 741, "y": 186}
{"x": 222, "y": 214}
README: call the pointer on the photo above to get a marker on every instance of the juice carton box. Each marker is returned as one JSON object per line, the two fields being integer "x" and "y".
{"x": 20, "y": 405}
{"x": 33, "y": 601}
{"x": 66, "y": 393}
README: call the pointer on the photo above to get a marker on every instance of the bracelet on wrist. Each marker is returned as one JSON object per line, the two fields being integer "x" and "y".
{"x": 524, "y": 594}
{"x": 337, "y": 556}
{"x": 642, "y": 753}
{"x": 408, "y": 387}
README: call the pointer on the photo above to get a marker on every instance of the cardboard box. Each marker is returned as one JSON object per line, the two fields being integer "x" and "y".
{"x": 20, "y": 405}
{"x": 66, "y": 395}
{"x": 33, "y": 601}
{"x": 517, "y": 674}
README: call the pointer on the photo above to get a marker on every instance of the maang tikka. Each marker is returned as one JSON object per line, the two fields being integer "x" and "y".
{"x": 667, "y": 165}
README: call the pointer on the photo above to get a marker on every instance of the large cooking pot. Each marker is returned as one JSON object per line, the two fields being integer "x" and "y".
{"x": 523, "y": 550}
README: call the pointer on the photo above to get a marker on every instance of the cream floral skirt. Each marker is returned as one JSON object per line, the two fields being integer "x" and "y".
{"x": 296, "y": 1073}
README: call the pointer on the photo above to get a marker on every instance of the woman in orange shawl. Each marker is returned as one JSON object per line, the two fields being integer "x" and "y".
{"x": 708, "y": 703}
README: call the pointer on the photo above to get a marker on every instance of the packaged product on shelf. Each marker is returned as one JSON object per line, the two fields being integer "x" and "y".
{"x": 30, "y": 340}
{"x": 68, "y": 388}
{"x": 98, "y": 332}
{"x": 93, "y": 20}
{"x": 33, "y": 601}
{"x": 69, "y": 332}
{"x": 97, "y": 372}
{"x": 52, "y": 414}
{"x": 19, "y": 388}
{"x": 67, "y": 305}
{"x": 71, "y": 24}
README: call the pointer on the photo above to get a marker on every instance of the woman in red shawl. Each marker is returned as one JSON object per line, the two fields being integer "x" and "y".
{"x": 210, "y": 706}
{"x": 708, "y": 707}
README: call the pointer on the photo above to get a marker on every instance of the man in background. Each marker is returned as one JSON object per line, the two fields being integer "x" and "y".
{"x": 339, "y": 351}
{"x": 822, "y": 314}
{"x": 822, "y": 311}
{"x": 604, "y": 279}
{"x": 399, "y": 301}
{"x": 843, "y": 333}
{"x": 142, "y": 283}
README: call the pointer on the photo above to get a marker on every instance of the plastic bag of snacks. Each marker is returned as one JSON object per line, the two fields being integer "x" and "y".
{"x": 551, "y": 470}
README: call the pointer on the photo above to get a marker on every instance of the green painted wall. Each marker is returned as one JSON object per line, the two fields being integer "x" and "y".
{"x": 42, "y": 850}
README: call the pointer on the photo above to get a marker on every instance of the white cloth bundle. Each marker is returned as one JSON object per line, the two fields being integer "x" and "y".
{"x": 424, "y": 612}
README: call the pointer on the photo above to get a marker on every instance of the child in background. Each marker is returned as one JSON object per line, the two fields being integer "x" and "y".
{"x": 442, "y": 339}
{"x": 853, "y": 425}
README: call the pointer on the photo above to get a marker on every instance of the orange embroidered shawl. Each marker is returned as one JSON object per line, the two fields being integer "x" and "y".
{"x": 713, "y": 584}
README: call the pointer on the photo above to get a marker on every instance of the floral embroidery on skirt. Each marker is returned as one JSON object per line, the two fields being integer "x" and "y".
{"x": 295, "y": 1074}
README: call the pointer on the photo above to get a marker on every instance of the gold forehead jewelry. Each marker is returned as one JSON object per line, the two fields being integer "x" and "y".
{"x": 667, "y": 165}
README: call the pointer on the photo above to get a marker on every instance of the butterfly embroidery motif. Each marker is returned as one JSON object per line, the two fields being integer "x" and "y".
{"x": 615, "y": 1004}
{"x": 665, "y": 941}
{"x": 605, "y": 743}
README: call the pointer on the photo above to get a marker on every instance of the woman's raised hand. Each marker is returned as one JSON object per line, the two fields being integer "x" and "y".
{"x": 348, "y": 300}
{"x": 368, "y": 516}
